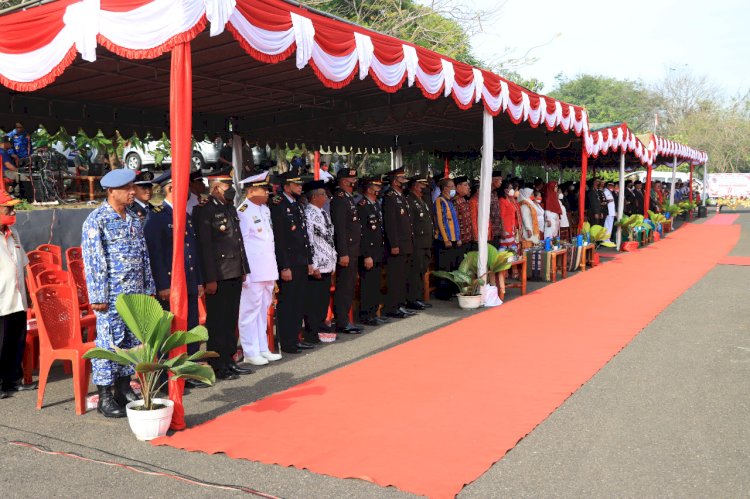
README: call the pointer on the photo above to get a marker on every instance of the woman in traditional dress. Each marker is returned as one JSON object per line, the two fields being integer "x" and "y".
{"x": 507, "y": 215}
{"x": 529, "y": 217}
{"x": 552, "y": 210}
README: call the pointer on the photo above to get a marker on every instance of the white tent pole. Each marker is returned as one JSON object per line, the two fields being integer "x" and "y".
{"x": 485, "y": 179}
{"x": 393, "y": 167}
{"x": 674, "y": 177}
{"x": 705, "y": 183}
{"x": 621, "y": 199}
{"x": 237, "y": 170}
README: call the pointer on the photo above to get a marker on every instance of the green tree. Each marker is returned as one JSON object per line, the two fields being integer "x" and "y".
{"x": 610, "y": 100}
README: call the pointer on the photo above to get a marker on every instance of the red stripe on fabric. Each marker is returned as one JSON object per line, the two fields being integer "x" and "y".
{"x": 32, "y": 29}
{"x": 122, "y": 5}
{"x": 153, "y": 52}
{"x": 387, "y": 88}
{"x": 46, "y": 79}
{"x": 266, "y": 15}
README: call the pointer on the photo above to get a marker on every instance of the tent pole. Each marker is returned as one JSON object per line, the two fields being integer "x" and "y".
{"x": 237, "y": 170}
{"x": 674, "y": 176}
{"x": 447, "y": 168}
{"x": 181, "y": 130}
{"x": 621, "y": 199}
{"x": 705, "y": 183}
{"x": 316, "y": 170}
{"x": 690, "y": 198}
{"x": 647, "y": 190}
{"x": 485, "y": 179}
{"x": 582, "y": 189}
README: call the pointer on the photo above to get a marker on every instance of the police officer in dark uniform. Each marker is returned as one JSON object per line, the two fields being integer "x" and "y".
{"x": 141, "y": 205}
{"x": 399, "y": 244}
{"x": 422, "y": 230}
{"x": 158, "y": 232}
{"x": 347, "y": 231}
{"x": 370, "y": 253}
{"x": 294, "y": 259}
{"x": 224, "y": 268}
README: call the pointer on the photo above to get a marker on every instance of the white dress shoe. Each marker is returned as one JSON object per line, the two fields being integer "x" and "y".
{"x": 256, "y": 361}
{"x": 271, "y": 356}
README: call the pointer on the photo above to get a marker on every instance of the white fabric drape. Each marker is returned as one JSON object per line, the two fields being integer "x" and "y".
{"x": 237, "y": 170}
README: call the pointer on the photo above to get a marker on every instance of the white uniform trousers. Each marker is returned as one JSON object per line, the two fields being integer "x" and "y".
{"x": 609, "y": 223}
{"x": 254, "y": 302}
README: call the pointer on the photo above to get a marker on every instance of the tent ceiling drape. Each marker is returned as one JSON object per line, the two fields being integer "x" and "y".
{"x": 373, "y": 86}
{"x": 665, "y": 150}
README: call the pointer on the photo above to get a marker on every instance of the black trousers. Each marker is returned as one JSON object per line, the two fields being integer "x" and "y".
{"x": 222, "y": 313}
{"x": 12, "y": 345}
{"x": 370, "y": 296}
{"x": 396, "y": 279}
{"x": 290, "y": 307}
{"x": 192, "y": 318}
{"x": 317, "y": 297}
{"x": 346, "y": 280}
{"x": 446, "y": 259}
{"x": 415, "y": 273}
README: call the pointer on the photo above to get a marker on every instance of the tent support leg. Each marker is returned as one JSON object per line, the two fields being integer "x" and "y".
{"x": 621, "y": 199}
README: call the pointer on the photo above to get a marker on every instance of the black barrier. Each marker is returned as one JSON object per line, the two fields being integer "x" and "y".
{"x": 54, "y": 226}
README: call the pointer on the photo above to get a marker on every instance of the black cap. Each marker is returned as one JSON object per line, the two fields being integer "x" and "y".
{"x": 164, "y": 178}
{"x": 496, "y": 174}
{"x": 291, "y": 177}
{"x": 398, "y": 172}
{"x": 312, "y": 185}
{"x": 346, "y": 173}
{"x": 144, "y": 178}
{"x": 460, "y": 180}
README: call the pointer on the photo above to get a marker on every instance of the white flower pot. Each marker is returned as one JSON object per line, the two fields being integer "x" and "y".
{"x": 147, "y": 425}
{"x": 469, "y": 302}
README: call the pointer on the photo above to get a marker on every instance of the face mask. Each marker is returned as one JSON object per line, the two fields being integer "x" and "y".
{"x": 560, "y": 196}
{"x": 452, "y": 193}
{"x": 7, "y": 220}
{"x": 229, "y": 194}
{"x": 538, "y": 200}
{"x": 511, "y": 192}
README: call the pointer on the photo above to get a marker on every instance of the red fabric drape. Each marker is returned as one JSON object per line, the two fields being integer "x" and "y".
{"x": 647, "y": 195}
{"x": 447, "y": 167}
{"x": 582, "y": 190}
{"x": 181, "y": 124}
{"x": 317, "y": 166}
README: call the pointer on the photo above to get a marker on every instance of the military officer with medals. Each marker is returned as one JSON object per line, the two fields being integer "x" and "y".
{"x": 399, "y": 244}
{"x": 141, "y": 205}
{"x": 158, "y": 232}
{"x": 422, "y": 230}
{"x": 257, "y": 290}
{"x": 347, "y": 231}
{"x": 294, "y": 261}
{"x": 224, "y": 267}
{"x": 370, "y": 253}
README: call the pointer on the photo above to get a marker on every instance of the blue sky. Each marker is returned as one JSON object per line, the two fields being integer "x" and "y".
{"x": 635, "y": 39}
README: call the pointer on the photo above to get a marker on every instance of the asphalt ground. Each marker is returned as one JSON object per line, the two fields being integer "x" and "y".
{"x": 667, "y": 416}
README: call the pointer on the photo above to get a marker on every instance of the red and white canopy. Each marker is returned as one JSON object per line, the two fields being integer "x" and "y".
{"x": 38, "y": 44}
{"x": 617, "y": 138}
{"x": 668, "y": 149}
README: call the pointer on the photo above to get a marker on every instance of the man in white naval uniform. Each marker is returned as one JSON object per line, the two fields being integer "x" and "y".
{"x": 609, "y": 222}
{"x": 257, "y": 290}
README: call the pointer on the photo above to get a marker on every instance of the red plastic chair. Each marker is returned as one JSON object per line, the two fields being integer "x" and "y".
{"x": 45, "y": 257}
{"x": 60, "y": 339}
{"x": 55, "y": 250}
{"x": 78, "y": 275}
{"x": 32, "y": 274}
{"x": 53, "y": 276}
{"x": 73, "y": 253}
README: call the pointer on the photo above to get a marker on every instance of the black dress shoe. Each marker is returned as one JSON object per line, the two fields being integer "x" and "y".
{"x": 238, "y": 369}
{"x": 304, "y": 346}
{"x": 424, "y": 304}
{"x": 408, "y": 313}
{"x": 20, "y": 387}
{"x": 3, "y": 395}
{"x": 225, "y": 373}
{"x": 398, "y": 314}
{"x": 370, "y": 322}
{"x": 349, "y": 329}
{"x": 107, "y": 405}
{"x": 289, "y": 350}
{"x": 414, "y": 305}
{"x": 325, "y": 328}
{"x": 194, "y": 383}
{"x": 312, "y": 341}
{"x": 382, "y": 320}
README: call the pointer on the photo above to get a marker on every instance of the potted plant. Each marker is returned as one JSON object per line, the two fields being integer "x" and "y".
{"x": 149, "y": 417}
{"x": 467, "y": 279}
{"x": 597, "y": 234}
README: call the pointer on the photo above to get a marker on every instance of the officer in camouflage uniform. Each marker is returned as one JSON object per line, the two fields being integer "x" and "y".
{"x": 116, "y": 262}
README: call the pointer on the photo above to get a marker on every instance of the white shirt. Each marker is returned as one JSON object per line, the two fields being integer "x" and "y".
{"x": 326, "y": 176}
{"x": 610, "y": 203}
{"x": 12, "y": 262}
{"x": 192, "y": 202}
{"x": 320, "y": 233}
{"x": 257, "y": 234}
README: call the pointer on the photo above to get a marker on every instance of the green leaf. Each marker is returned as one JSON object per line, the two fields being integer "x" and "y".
{"x": 156, "y": 339}
{"x": 180, "y": 338}
{"x": 135, "y": 355}
{"x": 607, "y": 244}
{"x": 141, "y": 313}
{"x": 149, "y": 367}
{"x": 176, "y": 361}
{"x": 201, "y": 354}
{"x": 195, "y": 371}
{"x": 101, "y": 353}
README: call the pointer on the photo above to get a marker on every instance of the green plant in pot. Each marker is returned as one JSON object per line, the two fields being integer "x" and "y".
{"x": 599, "y": 236}
{"x": 151, "y": 324}
{"x": 467, "y": 278}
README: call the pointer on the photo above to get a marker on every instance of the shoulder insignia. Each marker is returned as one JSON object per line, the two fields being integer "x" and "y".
{"x": 362, "y": 202}
{"x": 277, "y": 199}
{"x": 242, "y": 208}
{"x": 340, "y": 194}
{"x": 157, "y": 209}
{"x": 390, "y": 193}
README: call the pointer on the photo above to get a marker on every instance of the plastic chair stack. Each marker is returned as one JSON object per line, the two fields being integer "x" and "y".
{"x": 59, "y": 326}
{"x": 54, "y": 250}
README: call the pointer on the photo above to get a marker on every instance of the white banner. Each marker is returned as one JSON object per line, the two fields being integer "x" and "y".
{"x": 722, "y": 185}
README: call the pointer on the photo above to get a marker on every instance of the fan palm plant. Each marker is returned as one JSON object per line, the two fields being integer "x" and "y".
{"x": 467, "y": 278}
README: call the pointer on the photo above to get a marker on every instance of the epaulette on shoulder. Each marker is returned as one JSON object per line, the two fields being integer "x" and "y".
{"x": 243, "y": 208}
{"x": 362, "y": 202}
{"x": 277, "y": 199}
{"x": 157, "y": 209}
{"x": 390, "y": 193}
{"x": 340, "y": 194}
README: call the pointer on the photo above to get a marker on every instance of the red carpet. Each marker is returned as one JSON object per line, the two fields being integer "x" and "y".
{"x": 721, "y": 219}
{"x": 433, "y": 414}
{"x": 735, "y": 260}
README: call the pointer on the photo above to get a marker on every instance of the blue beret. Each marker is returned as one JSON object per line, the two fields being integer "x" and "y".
{"x": 164, "y": 178}
{"x": 118, "y": 178}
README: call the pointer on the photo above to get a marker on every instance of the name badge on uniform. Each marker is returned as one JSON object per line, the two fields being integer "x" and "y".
{"x": 222, "y": 228}
{"x": 293, "y": 227}
{"x": 354, "y": 219}
{"x": 402, "y": 211}
{"x": 256, "y": 220}
{"x": 421, "y": 214}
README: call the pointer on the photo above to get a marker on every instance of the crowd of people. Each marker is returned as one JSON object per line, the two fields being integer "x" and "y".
{"x": 294, "y": 240}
